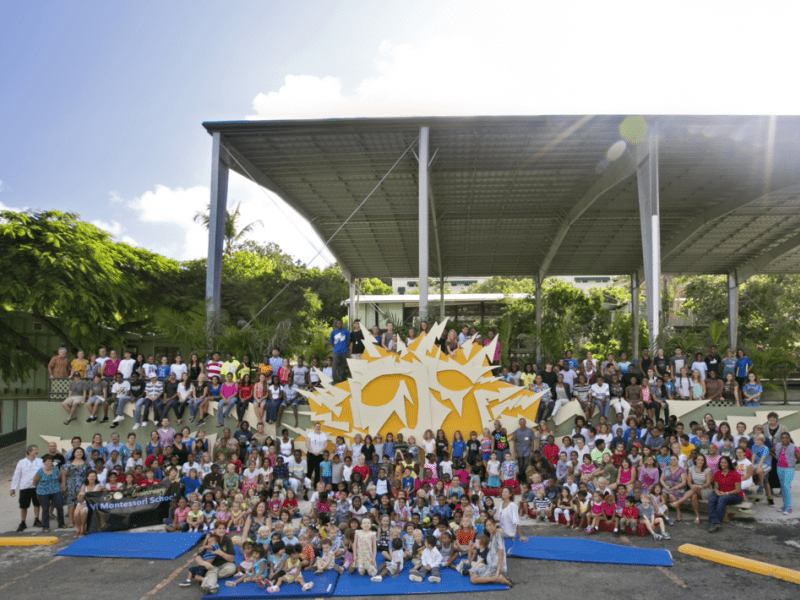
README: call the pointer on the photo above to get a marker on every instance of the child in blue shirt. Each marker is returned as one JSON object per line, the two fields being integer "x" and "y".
{"x": 458, "y": 447}
{"x": 326, "y": 469}
{"x": 191, "y": 483}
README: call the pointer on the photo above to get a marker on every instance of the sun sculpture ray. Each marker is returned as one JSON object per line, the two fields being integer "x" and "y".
{"x": 420, "y": 388}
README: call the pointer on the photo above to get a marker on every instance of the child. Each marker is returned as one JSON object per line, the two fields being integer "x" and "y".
{"x": 178, "y": 523}
{"x": 194, "y": 519}
{"x": 292, "y": 571}
{"x": 459, "y": 446}
{"x": 326, "y": 470}
{"x": 596, "y": 513}
{"x": 327, "y": 561}
{"x": 493, "y": 470}
{"x": 648, "y": 517}
{"x": 364, "y": 550}
{"x": 209, "y": 516}
{"x": 476, "y": 557}
{"x": 542, "y": 507}
{"x": 237, "y": 516}
{"x": 581, "y": 511}
{"x": 245, "y": 569}
{"x": 191, "y": 483}
{"x": 224, "y": 515}
{"x": 203, "y": 560}
{"x": 563, "y": 506}
{"x": 446, "y": 466}
{"x": 629, "y": 517}
{"x": 430, "y": 561}
{"x": 509, "y": 469}
{"x": 610, "y": 511}
{"x": 446, "y": 547}
{"x": 394, "y": 565}
{"x": 486, "y": 444}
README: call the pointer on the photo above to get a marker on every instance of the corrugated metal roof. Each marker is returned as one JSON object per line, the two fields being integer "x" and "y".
{"x": 502, "y": 186}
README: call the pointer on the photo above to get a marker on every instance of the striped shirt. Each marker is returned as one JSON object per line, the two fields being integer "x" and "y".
{"x": 213, "y": 368}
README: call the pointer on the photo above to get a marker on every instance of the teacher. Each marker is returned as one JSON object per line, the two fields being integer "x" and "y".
{"x": 507, "y": 515}
{"x": 316, "y": 444}
{"x": 523, "y": 440}
{"x": 495, "y": 568}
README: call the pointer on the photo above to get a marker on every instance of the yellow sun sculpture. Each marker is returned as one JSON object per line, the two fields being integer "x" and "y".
{"x": 420, "y": 388}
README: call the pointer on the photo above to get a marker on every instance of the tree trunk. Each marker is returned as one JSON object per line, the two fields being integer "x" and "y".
{"x": 23, "y": 344}
{"x": 65, "y": 339}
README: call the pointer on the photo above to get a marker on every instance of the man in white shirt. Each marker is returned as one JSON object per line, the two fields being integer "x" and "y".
{"x": 149, "y": 369}
{"x": 600, "y": 397}
{"x": 121, "y": 391}
{"x": 316, "y": 444}
{"x": 463, "y": 336}
{"x": 569, "y": 376}
{"x": 24, "y": 473}
{"x": 297, "y": 473}
{"x": 126, "y": 365}
{"x": 101, "y": 359}
{"x": 300, "y": 373}
{"x": 178, "y": 368}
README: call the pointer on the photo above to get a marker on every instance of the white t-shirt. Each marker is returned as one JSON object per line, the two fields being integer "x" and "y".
{"x": 101, "y": 361}
{"x": 700, "y": 366}
{"x": 741, "y": 468}
{"x": 300, "y": 375}
{"x": 178, "y": 370}
{"x": 189, "y": 466}
{"x": 126, "y": 367}
{"x": 600, "y": 390}
{"x": 149, "y": 370}
{"x": 569, "y": 377}
{"x": 317, "y": 441}
{"x": 123, "y": 388}
{"x": 507, "y": 518}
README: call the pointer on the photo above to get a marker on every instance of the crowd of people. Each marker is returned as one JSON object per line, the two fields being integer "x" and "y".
{"x": 371, "y": 504}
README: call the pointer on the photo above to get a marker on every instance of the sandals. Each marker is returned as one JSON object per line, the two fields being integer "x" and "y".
{"x": 697, "y": 520}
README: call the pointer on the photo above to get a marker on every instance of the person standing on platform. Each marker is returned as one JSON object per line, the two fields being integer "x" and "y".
{"x": 340, "y": 339}
{"x": 24, "y": 473}
{"x": 316, "y": 444}
{"x": 522, "y": 439}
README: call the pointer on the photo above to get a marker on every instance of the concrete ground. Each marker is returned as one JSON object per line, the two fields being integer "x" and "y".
{"x": 34, "y": 572}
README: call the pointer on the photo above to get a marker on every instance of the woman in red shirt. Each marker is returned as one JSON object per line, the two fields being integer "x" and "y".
{"x": 727, "y": 491}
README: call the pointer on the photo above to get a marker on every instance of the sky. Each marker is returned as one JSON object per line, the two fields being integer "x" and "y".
{"x": 101, "y": 103}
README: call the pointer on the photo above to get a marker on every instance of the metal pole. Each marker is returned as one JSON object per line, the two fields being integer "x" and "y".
{"x": 538, "y": 318}
{"x": 635, "y": 316}
{"x": 733, "y": 311}
{"x": 351, "y": 306}
{"x": 216, "y": 233}
{"x": 441, "y": 298}
{"x": 423, "y": 223}
{"x": 649, "y": 218}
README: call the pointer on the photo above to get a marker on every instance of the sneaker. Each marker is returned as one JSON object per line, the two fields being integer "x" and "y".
{"x": 21, "y": 527}
{"x": 761, "y": 489}
{"x": 415, "y": 578}
{"x": 318, "y": 572}
{"x": 204, "y": 590}
{"x": 616, "y": 532}
{"x": 669, "y": 521}
{"x": 665, "y": 535}
{"x": 434, "y": 579}
{"x": 201, "y": 423}
{"x": 136, "y": 426}
{"x": 37, "y": 523}
{"x": 230, "y": 584}
{"x": 273, "y": 589}
{"x": 113, "y": 426}
{"x": 104, "y": 419}
{"x": 91, "y": 419}
{"x": 657, "y": 536}
{"x": 338, "y": 568}
{"x": 788, "y": 511}
{"x": 372, "y": 571}
{"x": 187, "y": 583}
{"x": 119, "y": 418}
{"x": 770, "y": 501}
{"x": 213, "y": 591}
{"x": 588, "y": 530}
{"x": 308, "y": 586}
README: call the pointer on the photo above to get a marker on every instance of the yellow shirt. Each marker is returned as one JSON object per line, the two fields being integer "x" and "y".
{"x": 79, "y": 366}
{"x": 687, "y": 449}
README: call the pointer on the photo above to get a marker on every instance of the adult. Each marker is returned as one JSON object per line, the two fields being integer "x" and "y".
{"x": 76, "y": 395}
{"x": 546, "y": 402}
{"x": 22, "y": 480}
{"x": 275, "y": 398}
{"x": 356, "y": 340}
{"x": 75, "y": 475}
{"x": 494, "y": 569}
{"x": 121, "y": 392}
{"x": 50, "y": 488}
{"x": 773, "y": 433}
{"x": 701, "y": 487}
{"x": 222, "y": 565}
{"x": 53, "y": 453}
{"x": 126, "y": 365}
{"x": 730, "y": 389}
{"x": 316, "y": 444}
{"x": 171, "y": 397}
{"x": 561, "y": 394}
{"x": 300, "y": 371}
{"x": 714, "y": 386}
{"x": 729, "y": 364}
{"x": 245, "y": 398}
{"x": 255, "y": 520}
{"x": 743, "y": 366}
{"x": 58, "y": 365}
{"x": 645, "y": 362}
{"x": 661, "y": 363}
{"x": 229, "y": 367}
{"x": 198, "y": 399}
{"x": 195, "y": 367}
{"x": 111, "y": 365}
{"x": 523, "y": 440}
{"x": 678, "y": 361}
{"x": 228, "y": 399}
{"x": 600, "y": 394}
{"x": 727, "y": 491}
{"x": 178, "y": 368}
{"x": 495, "y": 362}
{"x": 243, "y": 436}
{"x": 298, "y": 467}
{"x": 339, "y": 339}
{"x": 507, "y": 515}
{"x": 81, "y": 513}
{"x": 286, "y": 445}
{"x": 673, "y": 479}
{"x": 713, "y": 361}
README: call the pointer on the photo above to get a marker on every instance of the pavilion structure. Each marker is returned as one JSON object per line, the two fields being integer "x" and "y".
{"x": 529, "y": 196}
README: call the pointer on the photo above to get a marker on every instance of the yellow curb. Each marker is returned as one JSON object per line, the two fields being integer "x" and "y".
{"x": 731, "y": 560}
{"x": 28, "y": 541}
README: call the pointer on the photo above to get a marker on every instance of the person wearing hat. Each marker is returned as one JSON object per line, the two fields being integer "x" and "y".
{"x": 153, "y": 392}
{"x": 75, "y": 397}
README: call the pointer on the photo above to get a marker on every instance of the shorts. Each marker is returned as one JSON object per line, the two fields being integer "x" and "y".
{"x": 71, "y": 400}
{"x": 327, "y": 480}
{"x": 27, "y": 496}
{"x": 295, "y": 402}
{"x": 392, "y": 568}
{"x": 198, "y": 571}
{"x": 94, "y": 400}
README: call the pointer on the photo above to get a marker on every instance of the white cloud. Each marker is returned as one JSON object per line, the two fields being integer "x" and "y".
{"x": 187, "y": 239}
{"x": 570, "y": 58}
{"x": 114, "y": 227}
{"x": 1, "y": 185}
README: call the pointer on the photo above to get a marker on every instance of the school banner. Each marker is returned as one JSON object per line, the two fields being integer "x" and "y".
{"x": 128, "y": 509}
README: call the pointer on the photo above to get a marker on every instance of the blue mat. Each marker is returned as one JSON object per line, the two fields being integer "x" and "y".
{"x": 358, "y": 585}
{"x": 588, "y": 551}
{"x": 323, "y": 587}
{"x": 152, "y": 546}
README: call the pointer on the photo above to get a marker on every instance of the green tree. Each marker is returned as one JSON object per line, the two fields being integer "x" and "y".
{"x": 74, "y": 280}
{"x": 502, "y": 285}
{"x": 234, "y": 234}
{"x": 375, "y": 287}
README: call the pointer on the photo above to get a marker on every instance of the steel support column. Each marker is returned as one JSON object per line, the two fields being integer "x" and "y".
{"x": 538, "y": 308}
{"x": 423, "y": 223}
{"x": 635, "y": 316}
{"x": 647, "y": 176}
{"x": 351, "y": 307}
{"x": 216, "y": 232}
{"x": 441, "y": 297}
{"x": 733, "y": 311}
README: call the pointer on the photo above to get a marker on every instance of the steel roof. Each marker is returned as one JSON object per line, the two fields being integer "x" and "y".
{"x": 502, "y": 188}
